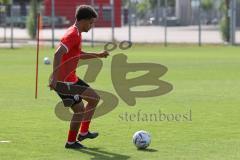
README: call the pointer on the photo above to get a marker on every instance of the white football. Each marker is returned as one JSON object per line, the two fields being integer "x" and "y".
{"x": 46, "y": 60}
{"x": 141, "y": 139}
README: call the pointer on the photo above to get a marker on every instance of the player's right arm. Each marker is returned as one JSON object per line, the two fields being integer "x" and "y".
{"x": 56, "y": 63}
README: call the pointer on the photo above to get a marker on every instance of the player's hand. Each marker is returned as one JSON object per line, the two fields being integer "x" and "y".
{"x": 104, "y": 54}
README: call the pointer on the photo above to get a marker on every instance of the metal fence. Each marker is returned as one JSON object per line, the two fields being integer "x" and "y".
{"x": 163, "y": 21}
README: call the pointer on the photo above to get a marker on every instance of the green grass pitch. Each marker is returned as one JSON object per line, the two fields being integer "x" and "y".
{"x": 206, "y": 82}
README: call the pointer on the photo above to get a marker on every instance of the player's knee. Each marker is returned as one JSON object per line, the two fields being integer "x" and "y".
{"x": 78, "y": 108}
{"x": 94, "y": 100}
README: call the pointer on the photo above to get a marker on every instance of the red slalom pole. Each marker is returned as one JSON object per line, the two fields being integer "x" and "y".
{"x": 37, "y": 59}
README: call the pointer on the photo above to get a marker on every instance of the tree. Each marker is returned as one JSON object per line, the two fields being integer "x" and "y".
{"x": 32, "y": 19}
{"x": 207, "y": 6}
{"x": 144, "y": 6}
{"x": 5, "y": 2}
{"x": 225, "y": 22}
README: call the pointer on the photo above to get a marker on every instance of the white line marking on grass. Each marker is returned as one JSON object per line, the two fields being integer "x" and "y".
{"x": 5, "y": 141}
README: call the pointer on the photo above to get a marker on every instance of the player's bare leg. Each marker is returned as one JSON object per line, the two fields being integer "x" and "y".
{"x": 78, "y": 110}
{"x": 92, "y": 99}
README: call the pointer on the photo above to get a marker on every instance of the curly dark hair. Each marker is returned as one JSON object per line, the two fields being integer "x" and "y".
{"x": 85, "y": 12}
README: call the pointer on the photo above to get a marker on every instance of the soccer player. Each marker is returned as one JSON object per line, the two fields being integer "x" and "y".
{"x": 68, "y": 86}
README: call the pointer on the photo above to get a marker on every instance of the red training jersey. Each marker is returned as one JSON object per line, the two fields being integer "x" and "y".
{"x": 69, "y": 62}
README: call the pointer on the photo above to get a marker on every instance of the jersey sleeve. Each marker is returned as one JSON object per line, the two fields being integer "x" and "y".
{"x": 69, "y": 40}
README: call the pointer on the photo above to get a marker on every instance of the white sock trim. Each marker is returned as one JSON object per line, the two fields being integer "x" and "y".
{"x": 70, "y": 143}
{"x": 83, "y": 134}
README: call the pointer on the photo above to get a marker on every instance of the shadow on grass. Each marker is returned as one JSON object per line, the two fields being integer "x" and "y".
{"x": 102, "y": 155}
{"x": 148, "y": 150}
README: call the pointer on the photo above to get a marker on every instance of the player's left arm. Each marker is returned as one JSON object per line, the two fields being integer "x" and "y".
{"x": 86, "y": 55}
